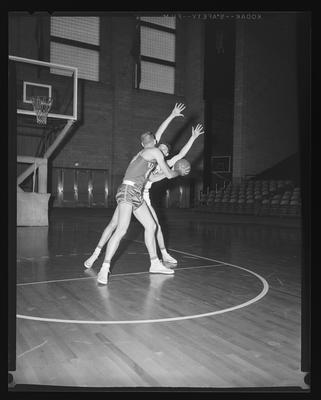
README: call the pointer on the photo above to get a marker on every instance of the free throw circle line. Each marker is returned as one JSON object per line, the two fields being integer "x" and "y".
{"x": 124, "y": 274}
{"x": 211, "y": 259}
{"x": 172, "y": 319}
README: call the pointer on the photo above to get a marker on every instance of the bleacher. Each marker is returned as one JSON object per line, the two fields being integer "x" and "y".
{"x": 254, "y": 197}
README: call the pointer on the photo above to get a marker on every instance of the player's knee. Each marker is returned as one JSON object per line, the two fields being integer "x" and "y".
{"x": 152, "y": 227}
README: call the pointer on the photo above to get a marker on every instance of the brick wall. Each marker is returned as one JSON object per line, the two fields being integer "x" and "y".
{"x": 112, "y": 114}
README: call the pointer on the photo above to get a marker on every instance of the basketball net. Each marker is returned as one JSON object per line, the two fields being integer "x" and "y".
{"x": 41, "y": 106}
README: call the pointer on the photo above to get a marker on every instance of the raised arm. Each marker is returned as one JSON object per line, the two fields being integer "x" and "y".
{"x": 196, "y": 132}
{"x": 177, "y": 112}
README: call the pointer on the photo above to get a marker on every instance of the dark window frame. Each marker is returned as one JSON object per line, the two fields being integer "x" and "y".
{"x": 158, "y": 27}
{"x": 74, "y": 43}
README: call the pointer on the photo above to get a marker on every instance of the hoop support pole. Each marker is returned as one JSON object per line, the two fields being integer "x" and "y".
{"x": 47, "y": 154}
{"x": 58, "y": 139}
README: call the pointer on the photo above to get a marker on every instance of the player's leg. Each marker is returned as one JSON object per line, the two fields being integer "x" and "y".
{"x": 146, "y": 219}
{"x": 160, "y": 238}
{"x": 103, "y": 239}
{"x": 124, "y": 215}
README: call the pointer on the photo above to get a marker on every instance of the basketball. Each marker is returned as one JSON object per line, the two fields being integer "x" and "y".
{"x": 182, "y": 166}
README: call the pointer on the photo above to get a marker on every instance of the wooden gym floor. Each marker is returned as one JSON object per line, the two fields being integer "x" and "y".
{"x": 230, "y": 317}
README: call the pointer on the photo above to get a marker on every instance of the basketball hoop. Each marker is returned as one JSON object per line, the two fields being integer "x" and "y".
{"x": 41, "y": 106}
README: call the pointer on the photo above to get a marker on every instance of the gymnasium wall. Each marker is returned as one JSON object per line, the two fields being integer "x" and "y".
{"x": 219, "y": 100}
{"x": 265, "y": 103}
{"x": 259, "y": 131}
{"x": 112, "y": 113}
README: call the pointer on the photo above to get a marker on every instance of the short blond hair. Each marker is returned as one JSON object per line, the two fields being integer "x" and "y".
{"x": 146, "y": 138}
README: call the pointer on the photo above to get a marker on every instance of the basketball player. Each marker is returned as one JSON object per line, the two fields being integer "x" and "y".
{"x": 176, "y": 112}
{"x": 155, "y": 176}
{"x": 130, "y": 201}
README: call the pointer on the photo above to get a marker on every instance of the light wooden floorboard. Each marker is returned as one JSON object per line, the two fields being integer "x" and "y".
{"x": 254, "y": 346}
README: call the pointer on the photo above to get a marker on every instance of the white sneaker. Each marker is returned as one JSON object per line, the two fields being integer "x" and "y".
{"x": 159, "y": 268}
{"x": 103, "y": 274}
{"x": 169, "y": 259}
{"x": 90, "y": 261}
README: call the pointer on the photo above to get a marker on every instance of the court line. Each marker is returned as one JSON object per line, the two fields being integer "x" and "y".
{"x": 19, "y": 259}
{"x": 173, "y": 319}
{"x": 54, "y": 281}
{"x": 210, "y": 259}
{"x": 114, "y": 275}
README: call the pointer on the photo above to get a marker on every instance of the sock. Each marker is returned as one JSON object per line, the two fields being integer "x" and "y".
{"x": 154, "y": 260}
{"x": 106, "y": 264}
{"x": 90, "y": 261}
{"x": 97, "y": 251}
{"x": 164, "y": 252}
{"x": 103, "y": 273}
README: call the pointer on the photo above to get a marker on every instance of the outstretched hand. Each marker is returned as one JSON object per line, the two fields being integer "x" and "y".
{"x": 198, "y": 130}
{"x": 177, "y": 111}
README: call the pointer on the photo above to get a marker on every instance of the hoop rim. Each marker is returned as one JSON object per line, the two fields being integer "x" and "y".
{"x": 45, "y": 99}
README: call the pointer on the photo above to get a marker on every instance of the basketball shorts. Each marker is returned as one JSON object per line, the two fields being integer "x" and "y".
{"x": 130, "y": 194}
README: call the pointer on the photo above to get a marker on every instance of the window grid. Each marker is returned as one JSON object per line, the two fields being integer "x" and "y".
{"x": 157, "y": 77}
{"x": 87, "y": 61}
{"x": 83, "y": 30}
{"x": 159, "y": 45}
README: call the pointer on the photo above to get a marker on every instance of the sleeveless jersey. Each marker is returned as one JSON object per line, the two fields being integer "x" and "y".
{"x": 138, "y": 170}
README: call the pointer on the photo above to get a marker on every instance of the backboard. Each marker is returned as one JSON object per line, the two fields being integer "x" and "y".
{"x": 40, "y": 78}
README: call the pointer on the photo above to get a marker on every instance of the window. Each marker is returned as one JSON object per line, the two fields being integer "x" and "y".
{"x": 74, "y": 41}
{"x": 155, "y": 69}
